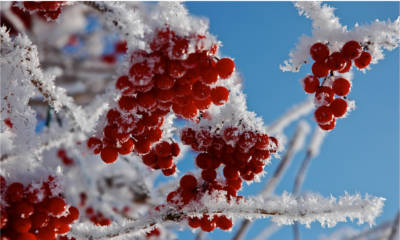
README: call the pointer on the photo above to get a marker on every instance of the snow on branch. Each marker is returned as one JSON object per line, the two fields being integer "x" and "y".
{"x": 376, "y": 36}
{"x": 283, "y": 209}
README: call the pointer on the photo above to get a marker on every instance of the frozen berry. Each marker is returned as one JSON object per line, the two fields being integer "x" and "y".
{"x": 351, "y": 50}
{"x": 363, "y": 61}
{"x": 188, "y": 182}
{"x": 319, "y": 51}
{"x": 109, "y": 154}
{"x": 219, "y": 95}
{"x": 310, "y": 84}
{"x": 225, "y": 67}
{"x": 323, "y": 114}
{"x": 320, "y": 69}
{"x": 341, "y": 86}
{"x": 338, "y": 107}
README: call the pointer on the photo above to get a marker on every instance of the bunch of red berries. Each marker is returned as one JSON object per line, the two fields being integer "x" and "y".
{"x": 330, "y": 108}
{"x": 169, "y": 78}
{"x": 244, "y": 153}
{"x": 49, "y": 10}
{"x": 191, "y": 190}
{"x": 34, "y": 212}
{"x": 62, "y": 154}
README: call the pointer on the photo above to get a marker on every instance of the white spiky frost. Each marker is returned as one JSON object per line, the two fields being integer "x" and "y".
{"x": 378, "y": 36}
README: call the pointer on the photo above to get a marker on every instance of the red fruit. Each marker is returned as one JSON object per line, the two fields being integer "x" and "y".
{"x": 165, "y": 95}
{"x": 223, "y": 222}
{"x": 247, "y": 140}
{"x": 310, "y": 84}
{"x": 175, "y": 69}
{"x": 181, "y": 89}
{"x": 123, "y": 83}
{"x": 127, "y": 103}
{"x": 163, "y": 149}
{"x": 146, "y": 100}
{"x": 175, "y": 150}
{"x": 194, "y": 222}
{"x": 21, "y": 225}
{"x": 149, "y": 159}
{"x": 200, "y": 91}
{"x": 109, "y": 58}
{"x": 56, "y": 205}
{"x": 346, "y": 67}
{"x": 142, "y": 146}
{"x": 26, "y": 236}
{"x": 164, "y": 81}
{"x": 15, "y": 192}
{"x": 204, "y": 160}
{"x": 225, "y": 67}
{"x": 209, "y": 76}
{"x": 39, "y": 220}
{"x": 336, "y": 61}
{"x": 46, "y": 233}
{"x": 363, "y": 61}
{"x": 261, "y": 154}
{"x": 169, "y": 171}
{"x": 274, "y": 144}
{"x": 231, "y": 135}
{"x": 319, "y": 51}
{"x": 219, "y": 95}
{"x": 8, "y": 122}
{"x": 207, "y": 225}
{"x": 203, "y": 104}
{"x": 187, "y": 196}
{"x": 338, "y": 107}
{"x": 180, "y": 47}
{"x": 341, "y": 86}
{"x": 121, "y": 47}
{"x": 165, "y": 162}
{"x": 262, "y": 141}
{"x": 329, "y": 126}
{"x": 23, "y": 209}
{"x": 209, "y": 175}
{"x": 235, "y": 183}
{"x": 320, "y": 69}
{"x": 95, "y": 144}
{"x": 109, "y": 154}
{"x": 230, "y": 172}
{"x": 139, "y": 71}
{"x": 188, "y": 136}
{"x": 323, "y": 114}
{"x": 324, "y": 96}
{"x": 188, "y": 182}
{"x": 3, "y": 219}
{"x": 189, "y": 110}
{"x": 127, "y": 147}
{"x": 204, "y": 138}
{"x": 351, "y": 50}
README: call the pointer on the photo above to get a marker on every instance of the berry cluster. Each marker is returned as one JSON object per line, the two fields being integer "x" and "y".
{"x": 328, "y": 107}
{"x": 34, "y": 212}
{"x": 48, "y": 10}
{"x": 62, "y": 154}
{"x": 190, "y": 189}
{"x": 169, "y": 78}
{"x": 243, "y": 152}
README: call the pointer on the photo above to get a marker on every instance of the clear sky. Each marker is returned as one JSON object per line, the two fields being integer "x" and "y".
{"x": 362, "y": 154}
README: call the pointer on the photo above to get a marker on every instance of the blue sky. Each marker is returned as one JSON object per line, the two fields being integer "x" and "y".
{"x": 362, "y": 154}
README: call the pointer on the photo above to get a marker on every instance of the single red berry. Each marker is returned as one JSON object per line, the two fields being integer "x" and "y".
{"x": 189, "y": 110}
{"x": 46, "y": 233}
{"x": 21, "y": 225}
{"x": 109, "y": 154}
{"x": 169, "y": 171}
{"x": 165, "y": 162}
{"x": 95, "y": 144}
{"x": 26, "y": 236}
{"x": 3, "y": 219}
{"x": 56, "y": 205}
{"x": 324, "y": 96}
{"x": 341, "y": 86}
{"x": 247, "y": 140}
{"x": 231, "y": 135}
{"x": 146, "y": 100}
{"x": 164, "y": 81}
{"x": 262, "y": 141}
{"x": 209, "y": 175}
{"x": 109, "y": 58}
{"x": 346, "y": 67}
{"x": 207, "y": 225}
{"x": 200, "y": 91}
{"x": 15, "y": 192}
{"x": 127, "y": 147}
{"x": 188, "y": 182}
{"x": 204, "y": 160}
{"x": 172, "y": 196}
{"x": 143, "y": 146}
{"x": 176, "y": 69}
{"x": 39, "y": 220}
{"x": 163, "y": 149}
{"x": 127, "y": 103}
{"x": 319, "y": 51}
{"x": 180, "y": 47}
{"x": 225, "y": 67}
{"x": 204, "y": 138}
{"x": 328, "y": 126}
{"x": 320, "y": 69}
{"x": 336, "y": 61}
{"x": 175, "y": 150}
{"x": 149, "y": 159}
{"x": 339, "y": 107}
{"x": 323, "y": 114}
{"x": 223, "y": 222}
{"x": 310, "y": 84}
{"x": 209, "y": 76}
{"x": 194, "y": 222}
{"x": 123, "y": 83}
{"x": 219, "y": 95}
{"x": 24, "y": 209}
{"x": 121, "y": 47}
{"x": 351, "y": 49}
{"x": 230, "y": 172}
{"x": 188, "y": 136}
{"x": 235, "y": 183}
{"x": 363, "y": 61}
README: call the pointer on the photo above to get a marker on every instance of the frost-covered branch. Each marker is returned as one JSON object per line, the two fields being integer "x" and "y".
{"x": 377, "y": 36}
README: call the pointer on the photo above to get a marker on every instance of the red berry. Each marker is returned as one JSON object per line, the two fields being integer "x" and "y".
{"x": 109, "y": 58}
{"x": 143, "y": 146}
{"x": 146, "y": 100}
{"x": 262, "y": 141}
{"x": 164, "y": 81}
{"x": 223, "y": 222}
{"x": 163, "y": 149}
{"x": 320, "y": 69}
{"x": 26, "y": 236}
{"x": 339, "y": 107}
{"x": 95, "y": 144}
{"x": 169, "y": 171}
{"x": 328, "y": 126}
{"x": 324, "y": 96}
{"x": 188, "y": 182}
{"x": 207, "y": 225}
{"x": 21, "y": 225}
{"x": 175, "y": 150}
{"x": 225, "y": 67}
{"x": 15, "y": 192}
{"x": 109, "y": 154}
{"x": 230, "y": 172}
{"x": 123, "y": 83}
{"x": 310, "y": 84}
{"x": 209, "y": 76}
{"x": 247, "y": 140}
{"x": 231, "y": 135}
{"x": 319, "y": 51}
{"x": 194, "y": 222}
{"x": 336, "y": 61}
{"x": 363, "y": 61}
{"x": 121, "y": 47}
{"x": 346, "y": 67}
{"x": 127, "y": 103}
{"x": 165, "y": 162}
{"x": 204, "y": 138}
{"x": 351, "y": 50}
{"x": 46, "y": 233}
{"x": 39, "y": 220}
{"x": 209, "y": 175}
{"x": 176, "y": 69}
{"x": 189, "y": 110}
{"x": 200, "y": 91}
{"x": 8, "y": 122}
{"x": 219, "y": 95}
{"x": 188, "y": 136}
{"x": 149, "y": 159}
{"x": 180, "y": 47}
{"x": 323, "y": 114}
{"x": 56, "y": 205}
{"x": 341, "y": 86}
{"x": 24, "y": 209}
{"x": 204, "y": 160}
{"x": 127, "y": 147}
